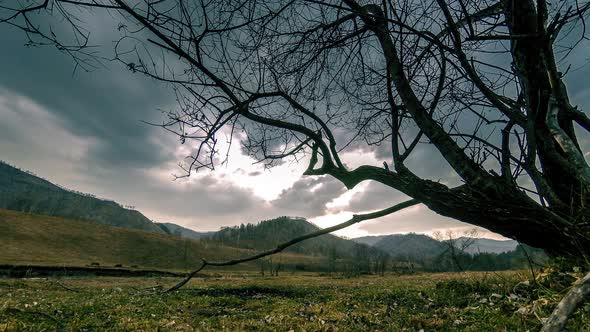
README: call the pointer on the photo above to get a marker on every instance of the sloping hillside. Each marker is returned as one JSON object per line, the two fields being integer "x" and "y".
{"x": 36, "y": 239}
{"x": 177, "y": 230}
{"x": 22, "y": 191}
{"x": 42, "y": 240}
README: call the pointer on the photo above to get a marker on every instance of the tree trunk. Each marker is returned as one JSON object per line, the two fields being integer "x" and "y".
{"x": 512, "y": 214}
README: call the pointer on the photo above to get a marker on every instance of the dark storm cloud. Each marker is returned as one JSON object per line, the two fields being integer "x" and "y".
{"x": 308, "y": 196}
{"x": 427, "y": 162}
{"x": 34, "y": 138}
{"x": 83, "y": 131}
{"x": 88, "y": 136}
{"x": 106, "y": 104}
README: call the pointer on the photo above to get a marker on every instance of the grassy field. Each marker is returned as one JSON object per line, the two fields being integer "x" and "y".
{"x": 290, "y": 302}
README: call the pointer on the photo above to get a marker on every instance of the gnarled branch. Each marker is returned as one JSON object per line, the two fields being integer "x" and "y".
{"x": 354, "y": 220}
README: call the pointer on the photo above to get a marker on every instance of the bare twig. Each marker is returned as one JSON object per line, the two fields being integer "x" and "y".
{"x": 66, "y": 287}
{"x": 530, "y": 262}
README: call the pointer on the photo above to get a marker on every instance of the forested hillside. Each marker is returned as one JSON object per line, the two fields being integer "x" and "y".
{"x": 410, "y": 246}
{"x": 26, "y": 192}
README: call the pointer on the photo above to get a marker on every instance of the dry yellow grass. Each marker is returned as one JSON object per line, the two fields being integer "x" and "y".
{"x": 29, "y": 239}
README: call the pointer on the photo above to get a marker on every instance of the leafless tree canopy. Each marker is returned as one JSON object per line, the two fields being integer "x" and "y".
{"x": 482, "y": 81}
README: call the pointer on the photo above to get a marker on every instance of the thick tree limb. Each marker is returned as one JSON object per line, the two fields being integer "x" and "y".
{"x": 450, "y": 150}
{"x": 269, "y": 68}
{"x": 354, "y": 220}
{"x": 568, "y": 305}
{"x": 581, "y": 118}
{"x": 496, "y": 100}
{"x": 576, "y": 164}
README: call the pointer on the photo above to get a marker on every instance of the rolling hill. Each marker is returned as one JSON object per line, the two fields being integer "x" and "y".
{"x": 410, "y": 246}
{"x": 177, "y": 230}
{"x": 78, "y": 230}
{"x": 26, "y": 192}
{"x": 29, "y": 239}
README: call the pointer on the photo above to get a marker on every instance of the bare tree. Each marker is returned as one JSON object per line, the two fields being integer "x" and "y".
{"x": 481, "y": 81}
{"x": 456, "y": 245}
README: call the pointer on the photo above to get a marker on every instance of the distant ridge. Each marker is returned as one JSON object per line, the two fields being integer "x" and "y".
{"x": 24, "y": 191}
{"x": 409, "y": 244}
{"x": 369, "y": 240}
{"x": 489, "y": 245}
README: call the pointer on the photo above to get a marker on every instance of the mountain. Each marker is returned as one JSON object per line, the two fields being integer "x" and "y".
{"x": 26, "y": 192}
{"x": 269, "y": 233}
{"x": 410, "y": 246}
{"x": 177, "y": 230}
{"x": 488, "y": 245}
{"x": 479, "y": 245}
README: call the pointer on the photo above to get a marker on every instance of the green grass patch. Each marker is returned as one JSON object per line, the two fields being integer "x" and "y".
{"x": 432, "y": 302}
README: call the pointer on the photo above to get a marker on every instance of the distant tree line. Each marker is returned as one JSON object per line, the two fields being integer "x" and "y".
{"x": 367, "y": 262}
{"x": 520, "y": 258}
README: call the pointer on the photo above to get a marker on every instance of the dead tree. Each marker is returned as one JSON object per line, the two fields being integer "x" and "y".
{"x": 315, "y": 78}
{"x": 481, "y": 81}
{"x": 456, "y": 246}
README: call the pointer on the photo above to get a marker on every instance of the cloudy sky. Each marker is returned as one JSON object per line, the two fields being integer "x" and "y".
{"x": 83, "y": 130}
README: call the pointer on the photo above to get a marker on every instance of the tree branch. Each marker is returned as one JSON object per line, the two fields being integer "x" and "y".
{"x": 463, "y": 165}
{"x": 354, "y": 220}
{"x": 580, "y": 117}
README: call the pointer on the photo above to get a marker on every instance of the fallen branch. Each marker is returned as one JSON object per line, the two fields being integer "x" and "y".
{"x": 579, "y": 292}
{"x": 66, "y": 287}
{"x": 355, "y": 219}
